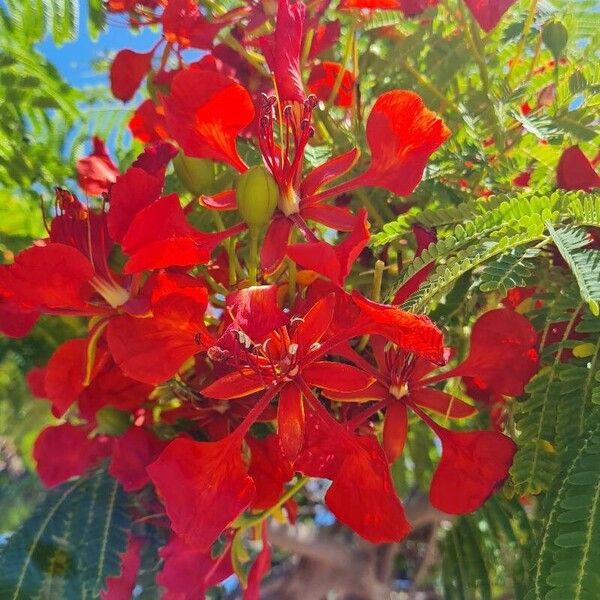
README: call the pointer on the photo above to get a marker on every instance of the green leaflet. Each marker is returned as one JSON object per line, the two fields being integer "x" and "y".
{"x": 70, "y": 544}
{"x": 568, "y": 564}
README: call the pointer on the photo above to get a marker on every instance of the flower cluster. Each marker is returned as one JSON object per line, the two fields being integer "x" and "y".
{"x": 224, "y": 368}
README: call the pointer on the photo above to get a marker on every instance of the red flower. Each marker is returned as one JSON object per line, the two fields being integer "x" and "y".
{"x": 282, "y": 51}
{"x": 184, "y": 24}
{"x": 187, "y": 571}
{"x": 65, "y": 451}
{"x": 127, "y": 72}
{"x": 322, "y": 79}
{"x": 575, "y": 172}
{"x": 409, "y": 7}
{"x": 96, "y": 172}
{"x": 148, "y": 123}
{"x": 204, "y": 486}
{"x": 121, "y": 586}
{"x": 488, "y": 12}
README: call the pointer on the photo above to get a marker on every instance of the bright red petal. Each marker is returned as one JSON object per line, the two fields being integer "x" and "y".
{"x": 259, "y": 569}
{"x": 575, "y": 171}
{"x": 328, "y": 171}
{"x": 322, "y": 79}
{"x": 132, "y": 453}
{"x": 370, "y": 4}
{"x": 205, "y": 113}
{"x": 127, "y": 71}
{"x": 395, "y": 430}
{"x": 148, "y": 123}
{"x": 204, "y": 486}
{"x": 488, "y": 12}
{"x": 402, "y": 134}
{"x": 236, "y": 384}
{"x": 315, "y": 322}
{"x": 132, "y": 192}
{"x": 473, "y": 465}
{"x": 275, "y": 244}
{"x": 290, "y": 420}
{"x": 15, "y": 321}
{"x": 334, "y": 217}
{"x": 222, "y": 201}
{"x": 338, "y": 377}
{"x": 121, "y": 586}
{"x": 442, "y": 403}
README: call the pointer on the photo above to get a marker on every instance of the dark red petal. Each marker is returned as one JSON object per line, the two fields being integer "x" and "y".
{"x": 442, "y": 403}
{"x": 205, "y": 113}
{"x": 132, "y": 192}
{"x": 53, "y": 276}
{"x": 502, "y": 356}
{"x": 413, "y": 333}
{"x": 187, "y": 571}
{"x": 204, "y": 486}
{"x": 121, "y": 586}
{"x": 127, "y": 71}
{"x": 132, "y": 453}
{"x": 473, "y": 465}
{"x": 259, "y": 569}
{"x": 65, "y": 451}
{"x": 275, "y": 244}
{"x": 328, "y": 171}
{"x": 354, "y": 464}
{"x": 376, "y": 391}
{"x": 282, "y": 50}
{"x": 402, "y": 134}
{"x": 575, "y": 171}
{"x": 155, "y": 158}
{"x": 96, "y": 172}
{"x": 322, "y": 78}
{"x": 395, "y": 430}
{"x": 15, "y": 321}
{"x": 488, "y": 12}
{"x": 326, "y": 35}
{"x": 236, "y": 384}
{"x": 290, "y": 420}
{"x": 338, "y": 377}
{"x": 269, "y": 469}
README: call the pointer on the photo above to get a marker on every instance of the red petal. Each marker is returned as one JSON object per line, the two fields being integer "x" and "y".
{"x": 127, "y": 71}
{"x": 322, "y": 79}
{"x": 412, "y": 333}
{"x": 488, "y": 12}
{"x": 376, "y": 391}
{"x": 53, "y": 276}
{"x": 575, "y": 171}
{"x": 338, "y": 377}
{"x": 97, "y": 171}
{"x": 473, "y": 465}
{"x": 326, "y": 35}
{"x": 259, "y": 569}
{"x": 155, "y": 158}
{"x": 502, "y": 355}
{"x": 362, "y": 494}
{"x": 269, "y": 469}
{"x": 370, "y": 4}
{"x": 132, "y": 453}
{"x": 222, "y": 201}
{"x": 65, "y": 451}
{"x": 204, "y": 486}
{"x": 315, "y": 322}
{"x": 205, "y": 113}
{"x": 442, "y": 403}
{"x": 184, "y": 24}
{"x": 234, "y": 385}
{"x": 275, "y": 244}
{"x": 121, "y": 586}
{"x": 402, "y": 133}
{"x": 132, "y": 192}
{"x": 148, "y": 123}
{"x": 335, "y": 217}
{"x": 395, "y": 430}
{"x": 15, "y": 321}
{"x": 282, "y": 50}
{"x": 187, "y": 571}
{"x": 290, "y": 420}
{"x": 328, "y": 171}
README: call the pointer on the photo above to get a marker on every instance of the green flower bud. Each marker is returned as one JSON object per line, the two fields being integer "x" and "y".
{"x": 257, "y": 194}
{"x": 555, "y": 37}
{"x": 111, "y": 421}
{"x": 195, "y": 174}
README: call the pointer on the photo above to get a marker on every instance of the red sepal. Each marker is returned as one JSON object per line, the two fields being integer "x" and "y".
{"x": 127, "y": 71}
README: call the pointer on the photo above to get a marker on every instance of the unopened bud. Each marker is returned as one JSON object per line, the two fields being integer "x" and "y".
{"x": 195, "y": 174}
{"x": 555, "y": 37}
{"x": 111, "y": 421}
{"x": 257, "y": 194}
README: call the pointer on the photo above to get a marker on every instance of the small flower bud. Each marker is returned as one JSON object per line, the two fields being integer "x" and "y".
{"x": 111, "y": 421}
{"x": 257, "y": 194}
{"x": 195, "y": 174}
{"x": 555, "y": 37}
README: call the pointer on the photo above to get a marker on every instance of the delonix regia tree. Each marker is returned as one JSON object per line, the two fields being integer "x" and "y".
{"x": 336, "y": 328}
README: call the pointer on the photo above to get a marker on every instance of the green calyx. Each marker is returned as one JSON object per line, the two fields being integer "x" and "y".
{"x": 257, "y": 195}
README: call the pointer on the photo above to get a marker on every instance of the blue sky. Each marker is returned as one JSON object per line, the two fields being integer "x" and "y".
{"x": 73, "y": 59}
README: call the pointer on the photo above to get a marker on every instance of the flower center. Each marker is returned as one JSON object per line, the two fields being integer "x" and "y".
{"x": 399, "y": 390}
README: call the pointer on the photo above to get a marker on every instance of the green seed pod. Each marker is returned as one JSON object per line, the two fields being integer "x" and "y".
{"x": 111, "y": 421}
{"x": 195, "y": 174}
{"x": 257, "y": 194}
{"x": 555, "y": 37}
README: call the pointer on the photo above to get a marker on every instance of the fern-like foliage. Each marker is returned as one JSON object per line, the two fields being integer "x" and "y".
{"x": 569, "y": 549}
{"x": 70, "y": 544}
